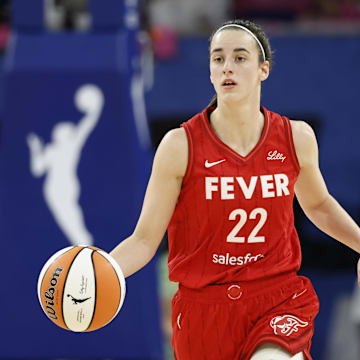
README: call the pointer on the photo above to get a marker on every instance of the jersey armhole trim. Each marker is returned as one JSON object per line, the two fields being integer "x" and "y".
{"x": 190, "y": 153}
{"x": 291, "y": 142}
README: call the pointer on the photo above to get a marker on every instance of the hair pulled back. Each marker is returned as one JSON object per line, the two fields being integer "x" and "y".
{"x": 258, "y": 31}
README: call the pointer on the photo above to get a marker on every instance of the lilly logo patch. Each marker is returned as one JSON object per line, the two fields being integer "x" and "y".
{"x": 287, "y": 324}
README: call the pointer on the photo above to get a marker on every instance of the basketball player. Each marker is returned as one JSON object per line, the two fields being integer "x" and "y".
{"x": 223, "y": 183}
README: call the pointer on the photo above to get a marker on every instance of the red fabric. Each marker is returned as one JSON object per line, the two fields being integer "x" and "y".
{"x": 200, "y": 252}
{"x": 208, "y": 324}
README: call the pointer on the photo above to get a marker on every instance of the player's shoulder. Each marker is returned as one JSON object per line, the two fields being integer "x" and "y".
{"x": 302, "y": 132}
{"x": 173, "y": 150}
{"x": 175, "y": 141}
{"x": 304, "y": 140}
{"x": 300, "y": 127}
{"x": 175, "y": 136}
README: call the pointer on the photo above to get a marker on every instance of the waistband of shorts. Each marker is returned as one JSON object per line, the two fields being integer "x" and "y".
{"x": 237, "y": 290}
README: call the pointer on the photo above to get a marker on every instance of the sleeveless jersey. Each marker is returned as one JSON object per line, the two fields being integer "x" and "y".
{"x": 234, "y": 217}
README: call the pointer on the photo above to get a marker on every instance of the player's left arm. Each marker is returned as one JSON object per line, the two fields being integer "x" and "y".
{"x": 38, "y": 163}
{"x": 311, "y": 191}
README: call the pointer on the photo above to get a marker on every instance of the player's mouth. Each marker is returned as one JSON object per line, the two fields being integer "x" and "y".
{"x": 228, "y": 84}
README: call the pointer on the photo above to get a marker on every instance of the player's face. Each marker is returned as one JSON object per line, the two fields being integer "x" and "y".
{"x": 235, "y": 70}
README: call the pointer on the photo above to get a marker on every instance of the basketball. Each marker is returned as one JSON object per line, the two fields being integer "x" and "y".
{"x": 81, "y": 288}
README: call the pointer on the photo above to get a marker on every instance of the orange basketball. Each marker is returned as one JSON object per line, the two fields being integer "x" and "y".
{"x": 81, "y": 288}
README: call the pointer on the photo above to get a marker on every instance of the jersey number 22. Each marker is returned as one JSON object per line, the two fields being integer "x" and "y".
{"x": 253, "y": 238}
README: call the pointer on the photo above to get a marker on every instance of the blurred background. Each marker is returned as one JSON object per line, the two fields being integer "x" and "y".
{"x": 71, "y": 175}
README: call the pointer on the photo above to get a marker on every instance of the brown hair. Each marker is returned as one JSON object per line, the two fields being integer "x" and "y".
{"x": 258, "y": 31}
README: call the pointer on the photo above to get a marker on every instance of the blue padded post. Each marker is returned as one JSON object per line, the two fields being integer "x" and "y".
{"x": 74, "y": 163}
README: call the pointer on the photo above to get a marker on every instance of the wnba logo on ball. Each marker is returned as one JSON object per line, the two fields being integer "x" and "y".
{"x": 50, "y": 294}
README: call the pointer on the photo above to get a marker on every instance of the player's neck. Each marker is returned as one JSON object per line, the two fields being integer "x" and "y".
{"x": 235, "y": 114}
{"x": 238, "y": 124}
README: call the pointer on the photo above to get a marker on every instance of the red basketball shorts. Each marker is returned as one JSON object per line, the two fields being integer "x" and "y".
{"x": 228, "y": 322}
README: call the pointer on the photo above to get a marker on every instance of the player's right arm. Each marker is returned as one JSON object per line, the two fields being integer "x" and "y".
{"x": 162, "y": 192}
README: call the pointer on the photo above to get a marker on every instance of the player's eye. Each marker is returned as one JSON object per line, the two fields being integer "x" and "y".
{"x": 217, "y": 59}
{"x": 240, "y": 58}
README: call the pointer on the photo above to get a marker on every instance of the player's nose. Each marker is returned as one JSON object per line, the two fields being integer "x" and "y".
{"x": 228, "y": 67}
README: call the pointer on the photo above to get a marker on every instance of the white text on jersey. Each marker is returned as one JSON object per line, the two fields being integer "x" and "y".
{"x": 275, "y": 155}
{"x": 227, "y": 259}
{"x": 271, "y": 186}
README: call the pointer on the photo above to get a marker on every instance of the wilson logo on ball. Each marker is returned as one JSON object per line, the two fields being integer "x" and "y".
{"x": 50, "y": 294}
{"x": 81, "y": 288}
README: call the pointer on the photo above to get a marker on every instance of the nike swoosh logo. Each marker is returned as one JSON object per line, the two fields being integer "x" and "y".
{"x": 297, "y": 295}
{"x": 210, "y": 164}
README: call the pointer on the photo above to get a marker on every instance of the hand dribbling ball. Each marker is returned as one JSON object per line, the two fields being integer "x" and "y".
{"x": 81, "y": 288}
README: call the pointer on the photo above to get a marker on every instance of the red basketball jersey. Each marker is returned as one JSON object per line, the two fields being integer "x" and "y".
{"x": 234, "y": 217}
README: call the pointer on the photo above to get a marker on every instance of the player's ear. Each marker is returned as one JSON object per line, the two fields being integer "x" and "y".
{"x": 264, "y": 70}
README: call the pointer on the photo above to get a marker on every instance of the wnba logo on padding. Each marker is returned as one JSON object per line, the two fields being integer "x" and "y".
{"x": 287, "y": 324}
{"x": 58, "y": 161}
